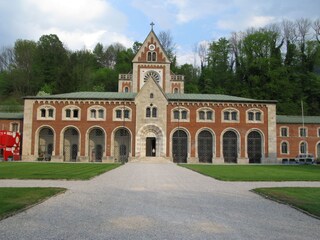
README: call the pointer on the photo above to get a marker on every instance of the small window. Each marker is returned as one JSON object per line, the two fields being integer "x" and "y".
{"x": 93, "y": 113}
{"x": 149, "y": 56}
{"x": 126, "y": 113}
{"x": 226, "y": 115}
{"x": 176, "y": 114}
{"x": 258, "y": 116}
{"x": 148, "y": 112}
{"x": 101, "y": 113}
{"x": 154, "y": 57}
{"x": 50, "y": 113}
{"x": 68, "y": 113}
{"x": 151, "y": 95}
{"x": 154, "y": 112}
{"x": 75, "y": 113}
{"x": 209, "y": 115}
{"x": 118, "y": 113}
{"x": 126, "y": 89}
{"x": 303, "y": 148}
{"x": 43, "y": 113}
{"x": 202, "y": 115}
{"x": 184, "y": 114}
{"x": 176, "y": 90}
{"x": 251, "y": 116}
{"x": 284, "y": 132}
{"x": 284, "y": 148}
{"x": 303, "y": 132}
{"x": 234, "y": 116}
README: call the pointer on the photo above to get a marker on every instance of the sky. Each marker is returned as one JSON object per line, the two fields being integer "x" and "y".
{"x": 81, "y": 24}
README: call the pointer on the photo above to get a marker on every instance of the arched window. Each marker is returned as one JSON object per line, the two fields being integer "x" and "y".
{"x": 126, "y": 89}
{"x": 154, "y": 112}
{"x": 149, "y": 56}
{"x": 205, "y": 114}
{"x": 303, "y": 148}
{"x": 175, "y": 90}
{"x": 148, "y": 112}
{"x": 154, "y": 57}
{"x": 284, "y": 148}
{"x": 93, "y": 113}
{"x": 180, "y": 114}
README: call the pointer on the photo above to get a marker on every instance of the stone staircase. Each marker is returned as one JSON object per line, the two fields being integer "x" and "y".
{"x": 150, "y": 160}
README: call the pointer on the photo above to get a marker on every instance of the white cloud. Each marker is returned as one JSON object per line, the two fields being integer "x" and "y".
{"x": 78, "y": 23}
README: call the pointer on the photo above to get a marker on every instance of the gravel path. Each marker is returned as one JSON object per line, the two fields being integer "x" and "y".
{"x": 158, "y": 201}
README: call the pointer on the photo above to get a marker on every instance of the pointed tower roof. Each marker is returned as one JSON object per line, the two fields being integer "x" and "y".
{"x": 156, "y": 46}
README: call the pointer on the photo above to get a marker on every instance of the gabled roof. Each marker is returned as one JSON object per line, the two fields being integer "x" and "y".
{"x": 145, "y": 46}
{"x": 11, "y": 116}
{"x": 297, "y": 119}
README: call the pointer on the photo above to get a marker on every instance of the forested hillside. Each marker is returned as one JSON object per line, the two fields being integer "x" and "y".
{"x": 279, "y": 62}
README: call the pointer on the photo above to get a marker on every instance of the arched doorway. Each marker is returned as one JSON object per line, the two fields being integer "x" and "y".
{"x": 122, "y": 145}
{"x": 71, "y": 145}
{"x": 254, "y": 147}
{"x": 150, "y": 141}
{"x": 230, "y": 147}
{"x": 180, "y": 146}
{"x": 45, "y": 148}
{"x": 96, "y": 145}
{"x": 205, "y": 146}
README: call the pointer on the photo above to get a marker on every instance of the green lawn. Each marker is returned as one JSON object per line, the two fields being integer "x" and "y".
{"x": 304, "y": 198}
{"x": 258, "y": 172}
{"x": 69, "y": 171}
{"x": 13, "y": 200}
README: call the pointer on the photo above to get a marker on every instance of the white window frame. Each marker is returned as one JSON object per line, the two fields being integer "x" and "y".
{"x": 205, "y": 110}
{"x": 288, "y": 148}
{"x": 97, "y": 117}
{"x": 230, "y": 111}
{"x": 287, "y": 129}
{"x": 46, "y": 109}
{"x": 254, "y": 111}
{"x": 180, "y": 109}
{"x": 72, "y": 109}
{"x": 12, "y": 128}
{"x": 122, "y": 109}
{"x": 306, "y": 131}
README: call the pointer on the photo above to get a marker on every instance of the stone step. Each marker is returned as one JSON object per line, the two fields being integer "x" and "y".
{"x": 150, "y": 160}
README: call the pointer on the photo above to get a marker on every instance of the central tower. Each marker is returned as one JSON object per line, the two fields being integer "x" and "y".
{"x": 151, "y": 62}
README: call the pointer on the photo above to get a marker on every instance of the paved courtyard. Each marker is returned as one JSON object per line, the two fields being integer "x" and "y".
{"x": 158, "y": 201}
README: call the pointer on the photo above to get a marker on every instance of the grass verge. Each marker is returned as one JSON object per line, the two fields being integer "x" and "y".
{"x": 15, "y": 200}
{"x": 258, "y": 172}
{"x": 68, "y": 171}
{"x": 305, "y": 199}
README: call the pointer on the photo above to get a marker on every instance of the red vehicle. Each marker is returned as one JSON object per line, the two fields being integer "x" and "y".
{"x": 9, "y": 145}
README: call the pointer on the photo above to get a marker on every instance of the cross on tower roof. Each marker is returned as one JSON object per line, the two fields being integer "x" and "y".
{"x": 151, "y": 24}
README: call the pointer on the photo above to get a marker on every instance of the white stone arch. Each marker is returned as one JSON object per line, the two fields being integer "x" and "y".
{"x": 37, "y": 135}
{"x": 189, "y": 140}
{"x": 262, "y": 142}
{"x": 238, "y": 141}
{"x": 87, "y": 142}
{"x": 213, "y": 138}
{"x": 150, "y": 130}
{"x": 112, "y": 140}
{"x": 62, "y": 139}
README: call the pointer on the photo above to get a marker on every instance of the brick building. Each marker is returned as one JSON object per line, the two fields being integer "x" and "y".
{"x": 151, "y": 116}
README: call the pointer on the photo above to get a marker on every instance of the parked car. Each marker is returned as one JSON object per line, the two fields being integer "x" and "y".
{"x": 305, "y": 159}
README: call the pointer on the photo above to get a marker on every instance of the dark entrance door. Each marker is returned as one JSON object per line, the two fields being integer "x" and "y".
{"x": 254, "y": 147}
{"x": 180, "y": 147}
{"x": 205, "y": 147}
{"x": 230, "y": 147}
{"x": 151, "y": 147}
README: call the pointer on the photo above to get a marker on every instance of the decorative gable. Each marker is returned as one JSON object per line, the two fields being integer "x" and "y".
{"x": 151, "y": 51}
